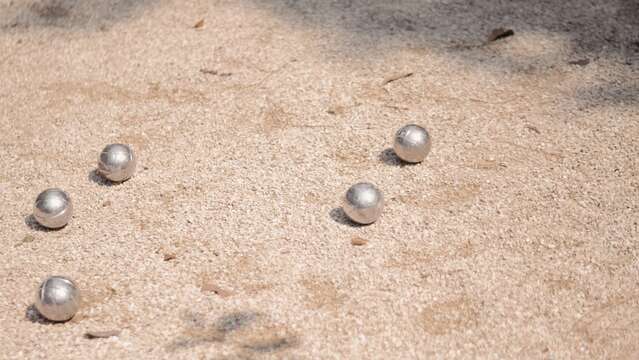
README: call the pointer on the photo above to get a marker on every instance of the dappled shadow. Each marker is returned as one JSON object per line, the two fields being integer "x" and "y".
{"x": 621, "y": 94}
{"x": 593, "y": 26}
{"x": 548, "y": 34}
{"x": 70, "y": 14}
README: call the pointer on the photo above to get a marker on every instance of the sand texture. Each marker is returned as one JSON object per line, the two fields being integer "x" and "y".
{"x": 516, "y": 238}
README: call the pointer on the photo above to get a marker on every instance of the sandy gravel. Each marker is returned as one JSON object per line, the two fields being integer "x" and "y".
{"x": 517, "y": 237}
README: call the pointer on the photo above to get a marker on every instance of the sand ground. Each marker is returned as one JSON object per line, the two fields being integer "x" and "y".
{"x": 517, "y": 238}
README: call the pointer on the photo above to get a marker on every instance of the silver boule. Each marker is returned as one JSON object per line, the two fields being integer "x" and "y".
{"x": 53, "y": 208}
{"x": 412, "y": 143}
{"x": 363, "y": 203}
{"x": 117, "y": 162}
{"x": 58, "y": 298}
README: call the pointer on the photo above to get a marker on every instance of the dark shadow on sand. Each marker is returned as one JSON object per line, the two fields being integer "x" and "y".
{"x": 32, "y": 314}
{"x": 459, "y": 30}
{"x": 33, "y": 224}
{"x": 96, "y": 178}
{"x": 390, "y": 158}
{"x": 70, "y": 14}
{"x": 339, "y": 216}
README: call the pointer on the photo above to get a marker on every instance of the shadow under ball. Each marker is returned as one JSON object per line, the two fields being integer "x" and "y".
{"x": 53, "y": 208}
{"x": 412, "y": 143}
{"x": 117, "y": 162}
{"x": 363, "y": 203}
{"x": 58, "y": 298}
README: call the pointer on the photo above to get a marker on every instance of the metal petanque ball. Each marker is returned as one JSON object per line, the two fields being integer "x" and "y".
{"x": 53, "y": 208}
{"x": 363, "y": 203}
{"x": 58, "y": 298}
{"x": 117, "y": 162}
{"x": 412, "y": 143}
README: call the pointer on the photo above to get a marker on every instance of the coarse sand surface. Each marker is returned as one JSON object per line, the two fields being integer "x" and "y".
{"x": 516, "y": 238}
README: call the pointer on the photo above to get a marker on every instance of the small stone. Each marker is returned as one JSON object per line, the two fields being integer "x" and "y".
{"x": 358, "y": 241}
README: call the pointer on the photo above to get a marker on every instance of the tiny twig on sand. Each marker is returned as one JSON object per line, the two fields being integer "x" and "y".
{"x": 533, "y": 129}
{"x": 101, "y": 334}
{"x": 396, "y": 77}
{"x": 496, "y": 34}
{"x": 261, "y": 81}
{"x": 395, "y": 107}
{"x": 215, "y": 72}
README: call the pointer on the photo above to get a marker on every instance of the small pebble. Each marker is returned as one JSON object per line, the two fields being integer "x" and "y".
{"x": 101, "y": 334}
{"x": 358, "y": 241}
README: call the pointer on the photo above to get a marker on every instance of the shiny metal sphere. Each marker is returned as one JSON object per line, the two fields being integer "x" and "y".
{"x": 117, "y": 162}
{"x": 363, "y": 203}
{"x": 58, "y": 298}
{"x": 53, "y": 208}
{"x": 412, "y": 143}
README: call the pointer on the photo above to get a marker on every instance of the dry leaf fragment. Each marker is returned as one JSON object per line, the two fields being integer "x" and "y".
{"x": 581, "y": 62}
{"x": 358, "y": 241}
{"x": 500, "y": 33}
{"x": 208, "y": 71}
{"x": 199, "y": 24}
{"x": 26, "y": 239}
